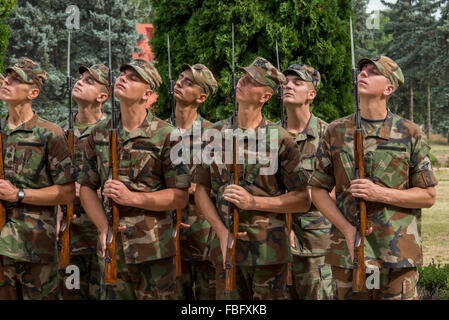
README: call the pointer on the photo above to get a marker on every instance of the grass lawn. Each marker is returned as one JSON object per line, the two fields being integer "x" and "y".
{"x": 435, "y": 222}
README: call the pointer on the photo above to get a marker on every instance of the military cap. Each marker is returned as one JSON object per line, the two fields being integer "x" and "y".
{"x": 305, "y": 72}
{"x": 29, "y": 71}
{"x": 146, "y": 70}
{"x": 386, "y": 67}
{"x": 99, "y": 71}
{"x": 264, "y": 73}
{"x": 203, "y": 77}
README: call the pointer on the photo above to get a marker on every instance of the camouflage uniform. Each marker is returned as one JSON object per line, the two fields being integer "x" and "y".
{"x": 198, "y": 274}
{"x": 396, "y": 155}
{"x": 262, "y": 255}
{"x": 312, "y": 278}
{"x": 145, "y": 249}
{"x": 36, "y": 155}
{"x": 197, "y": 281}
{"x": 83, "y": 232}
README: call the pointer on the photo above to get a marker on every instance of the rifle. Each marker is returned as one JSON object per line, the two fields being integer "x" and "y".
{"x": 359, "y": 276}
{"x": 177, "y": 231}
{"x": 112, "y": 212}
{"x": 64, "y": 232}
{"x": 233, "y": 213}
{"x": 289, "y": 215}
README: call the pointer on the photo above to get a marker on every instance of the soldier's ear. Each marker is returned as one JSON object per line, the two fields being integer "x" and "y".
{"x": 312, "y": 94}
{"x": 148, "y": 93}
{"x": 33, "y": 93}
{"x": 267, "y": 95}
{"x": 389, "y": 89}
{"x": 201, "y": 98}
{"x": 102, "y": 97}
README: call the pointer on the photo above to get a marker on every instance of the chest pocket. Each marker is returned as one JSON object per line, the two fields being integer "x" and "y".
{"x": 390, "y": 166}
{"x": 29, "y": 159}
{"x": 307, "y": 162}
{"x": 140, "y": 163}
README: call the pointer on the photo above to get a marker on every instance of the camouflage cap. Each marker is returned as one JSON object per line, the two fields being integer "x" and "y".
{"x": 264, "y": 73}
{"x": 203, "y": 77}
{"x": 30, "y": 72}
{"x": 146, "y": 70}
{"x": 99, "y": 71}
{"x": 306, "y": 73}
{"x": 387, "y": 67}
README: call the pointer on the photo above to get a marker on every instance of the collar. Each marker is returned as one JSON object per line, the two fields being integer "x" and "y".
{"x": 143, "y": 130}
{"x": 383, "y": 131}
{"x": 310, "y": 131}
{"x": 26, "y": 126}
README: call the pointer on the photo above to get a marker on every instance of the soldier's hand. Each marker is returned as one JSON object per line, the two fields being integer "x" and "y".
{"x": 59, "y": 216}
{"x": 223, "y": 245}
{"x": 7, "y": 191}
{"x": 366, "y": 190}
{"x": 103, "y": 236}
{"x": 239, "y": 196}
{"x": 292, "y": 239}
{"x": 350, "y": 234}
{"x": 192, "y": 188}
{"x": 77, "y": 189}
{"x": 118, "y": 192}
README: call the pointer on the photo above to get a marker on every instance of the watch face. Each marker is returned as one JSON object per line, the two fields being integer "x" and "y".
{"x": 21, "y": 194}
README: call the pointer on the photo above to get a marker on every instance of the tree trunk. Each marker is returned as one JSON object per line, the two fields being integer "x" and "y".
{"x": 411, "y": 101}
{"x": 429, "y": 130}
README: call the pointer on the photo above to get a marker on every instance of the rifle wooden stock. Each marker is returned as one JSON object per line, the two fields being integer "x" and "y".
{"x": 178, "y": 243}
{"x": 110, "y": 275}
{"x": 2, "y": 204}
{"x": 64, "y": 252}
{"x": 230, "y": 251}
{"x": 359, "y": 275}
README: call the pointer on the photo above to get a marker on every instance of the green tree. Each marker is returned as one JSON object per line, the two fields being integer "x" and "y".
{"x": 315, "y": 32}
{"x": 6, "y": 6}
{"x": 40, "y": 33}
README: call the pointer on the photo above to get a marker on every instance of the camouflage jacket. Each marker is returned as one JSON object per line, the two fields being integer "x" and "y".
{"x": 36, "y": 155}
{"x": 194, "y": 239}
{"x": 144, "y": 165}
{"x": 83, "y": 232}
{"x": 266, "y": 242}
{"x": 311, "y": 228}
{"x": 396, "y": 155}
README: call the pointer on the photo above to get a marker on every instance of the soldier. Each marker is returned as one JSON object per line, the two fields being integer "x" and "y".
{"x": 89, "y": 92}
{"x": 312, "y": 278}
{"x": 38, "y": 176}
{"x": 399, "y": 182}
{"x": 193, "y": 87}
{"x": 262, "y": 250}
{"x": 149, "y": 185}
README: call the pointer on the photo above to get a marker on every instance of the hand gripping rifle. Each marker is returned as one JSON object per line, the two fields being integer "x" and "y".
{"x": 112, "y": 213}
{"x": 177, "y": 231}
{"x": 359, "y": 276}
{"x": 64, "y": 232}
{"x": 283, "y": 123}
{"x": 233, "y": 213}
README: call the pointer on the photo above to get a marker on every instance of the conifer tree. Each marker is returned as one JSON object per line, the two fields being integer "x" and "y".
{"x": 314, "y": 32}
{"x": 40, "y": 33}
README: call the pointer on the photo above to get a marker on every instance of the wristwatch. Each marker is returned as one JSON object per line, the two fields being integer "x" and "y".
{"x": 20, "y": 195}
